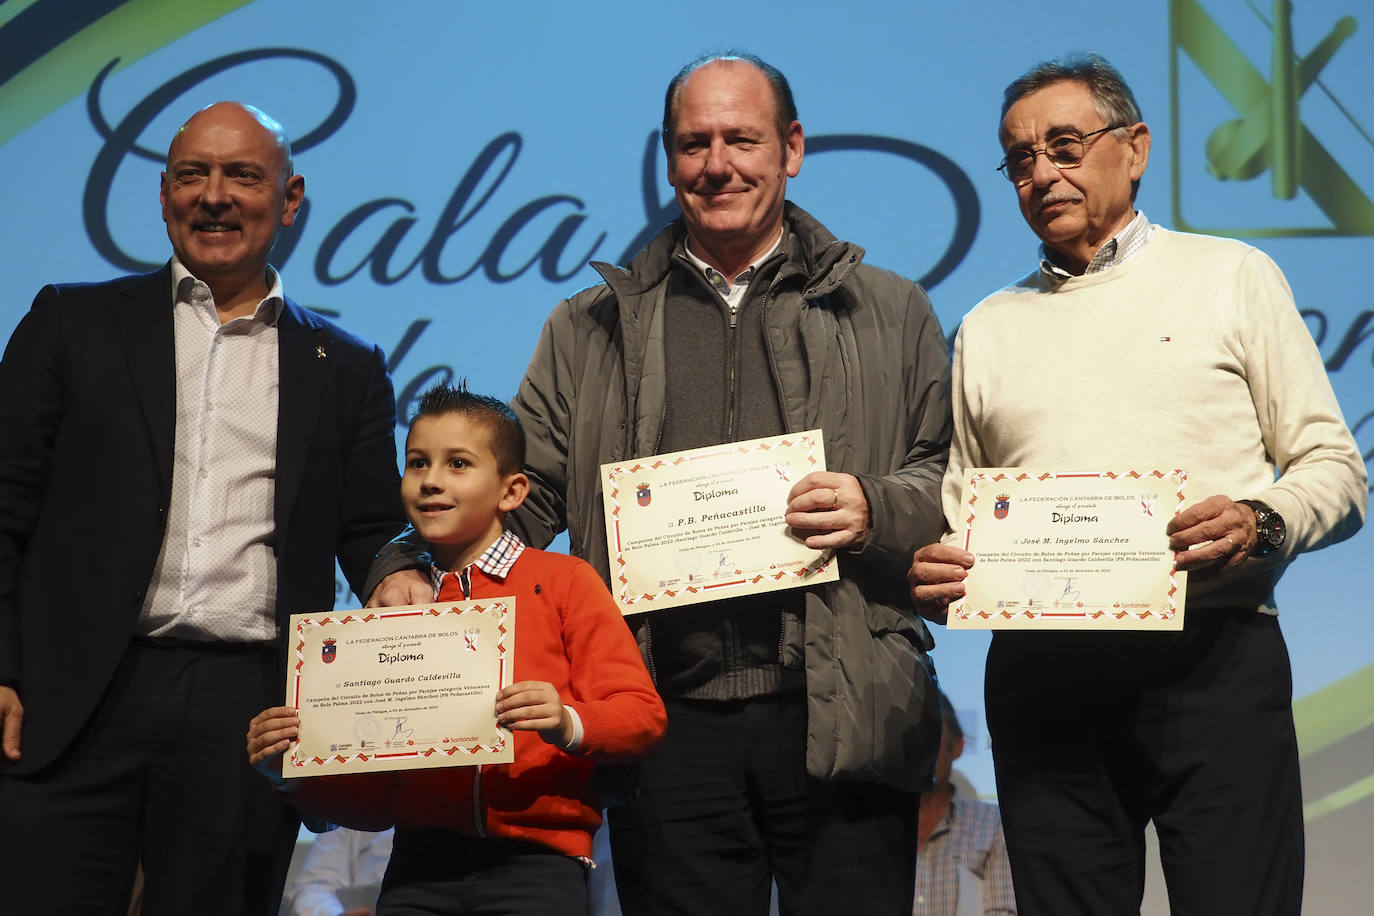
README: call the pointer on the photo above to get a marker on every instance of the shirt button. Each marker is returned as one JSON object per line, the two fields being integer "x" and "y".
{"x": 204, "y": 473}
{"x": 195, "y": 542}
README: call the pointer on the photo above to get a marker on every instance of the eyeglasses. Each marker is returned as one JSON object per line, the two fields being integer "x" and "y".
{"x": 1065, "y": 151}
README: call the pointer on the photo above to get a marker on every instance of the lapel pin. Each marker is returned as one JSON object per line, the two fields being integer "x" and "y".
{"x": 319, "y": 352}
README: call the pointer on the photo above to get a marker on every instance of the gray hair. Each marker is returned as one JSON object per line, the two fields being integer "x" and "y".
{"x": 1112, "y": 98}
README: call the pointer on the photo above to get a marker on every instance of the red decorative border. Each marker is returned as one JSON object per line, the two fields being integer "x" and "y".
{"x": 963, "y": 613}
{"x": 627, "y": 598}
{"x": 496, "y": 746}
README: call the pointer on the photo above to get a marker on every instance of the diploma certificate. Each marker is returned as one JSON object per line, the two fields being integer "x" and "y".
{"x": 1070, "y": 550}
{"x": 708, "y": 523}
{"x": 400, "y": 688}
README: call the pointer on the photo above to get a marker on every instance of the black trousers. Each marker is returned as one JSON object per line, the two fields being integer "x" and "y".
{"x": 725, "y": 808}
{"x": 1094, "y": 735}
{"x": 159, "y": 775}
{"x": 435, "y": 871}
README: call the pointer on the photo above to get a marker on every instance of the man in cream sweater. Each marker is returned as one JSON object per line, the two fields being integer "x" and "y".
{"x": 1130, "y": 343}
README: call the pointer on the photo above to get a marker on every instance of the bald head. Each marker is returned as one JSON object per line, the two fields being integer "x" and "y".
{"x": 227, "y": 191}
{"x": 784, "y": 106}
{"x": 244, "y": 116}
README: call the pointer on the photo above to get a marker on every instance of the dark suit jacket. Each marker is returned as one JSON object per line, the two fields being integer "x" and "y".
{"x": 87, "y": 419}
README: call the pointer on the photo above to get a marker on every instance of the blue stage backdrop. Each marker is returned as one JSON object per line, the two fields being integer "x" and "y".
{"x": 464, "y": 161}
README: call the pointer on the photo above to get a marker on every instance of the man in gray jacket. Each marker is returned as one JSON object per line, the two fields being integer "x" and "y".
{"x": 802, "y": 723}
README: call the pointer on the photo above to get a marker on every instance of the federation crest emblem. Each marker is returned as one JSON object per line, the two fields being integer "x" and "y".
{"x": 642, "y": 495}
{"x": 470, "y": 639}
{"x": 1001, "y": 505}
{"x": 329, "y": 652}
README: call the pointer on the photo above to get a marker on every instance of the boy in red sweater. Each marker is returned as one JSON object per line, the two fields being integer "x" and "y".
{"x": 511, "y": 838}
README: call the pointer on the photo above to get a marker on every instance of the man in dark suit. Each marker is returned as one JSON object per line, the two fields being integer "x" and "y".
{"x": 183, "y": 456}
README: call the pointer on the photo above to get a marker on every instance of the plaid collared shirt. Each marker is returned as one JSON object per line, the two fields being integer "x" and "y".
{"x": 968, "y": 839}
{"x": 496, "y": 561}
{"x": 1117, "y": 250}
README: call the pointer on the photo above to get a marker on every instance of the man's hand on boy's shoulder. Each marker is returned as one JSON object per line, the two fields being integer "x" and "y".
{"x": 536, "y": 706}
{"x": 403, "y": 588}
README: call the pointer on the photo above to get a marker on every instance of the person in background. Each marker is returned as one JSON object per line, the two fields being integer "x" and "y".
{"x": 961, "y": 866}
{"x": 338, "y": 861}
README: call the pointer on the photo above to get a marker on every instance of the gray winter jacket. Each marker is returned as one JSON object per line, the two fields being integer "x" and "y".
{"x": 856, "y": 352}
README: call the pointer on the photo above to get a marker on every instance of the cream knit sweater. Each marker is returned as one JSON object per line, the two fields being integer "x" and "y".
{"x": 1190, "y": 354}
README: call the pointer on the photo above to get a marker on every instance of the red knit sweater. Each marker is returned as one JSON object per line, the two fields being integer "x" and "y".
{"x": 568, "y": 632}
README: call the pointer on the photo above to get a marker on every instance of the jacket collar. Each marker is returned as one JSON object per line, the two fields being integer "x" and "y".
{"x": 143, "y": 325}
{"x": 815, "y": 261}
{"x": 822, "y": 261}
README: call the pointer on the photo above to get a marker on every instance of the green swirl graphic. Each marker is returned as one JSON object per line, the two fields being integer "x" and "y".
{"x": 50, "y": 50}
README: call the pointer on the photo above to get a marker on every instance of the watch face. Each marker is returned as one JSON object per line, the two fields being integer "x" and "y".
{"x": 1271, "y": 529}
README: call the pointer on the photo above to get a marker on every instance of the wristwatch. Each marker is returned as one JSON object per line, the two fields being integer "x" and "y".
{"x": 1269, "y": 527}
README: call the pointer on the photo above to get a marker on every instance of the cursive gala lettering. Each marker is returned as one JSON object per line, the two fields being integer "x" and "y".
{"x": 500, "y": 155}
{"x": 1364, "y": 429}
{"x": 541, "y": 233}
{"x": 1361, "y": 329}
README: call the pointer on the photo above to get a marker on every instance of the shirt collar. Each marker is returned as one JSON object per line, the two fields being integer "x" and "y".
{"x": 496, "y": 561}
{"x": 1117, "y": 250}
{"x": 186, "y": 287}
{"x": 947, "y": 821}
{"x": 718, "y": 280}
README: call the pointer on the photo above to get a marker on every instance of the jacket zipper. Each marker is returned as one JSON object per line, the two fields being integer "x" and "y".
{"x": 732, "y": 395}
{"x": 649, "y": 651}
{"x": 479, "y": 821}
